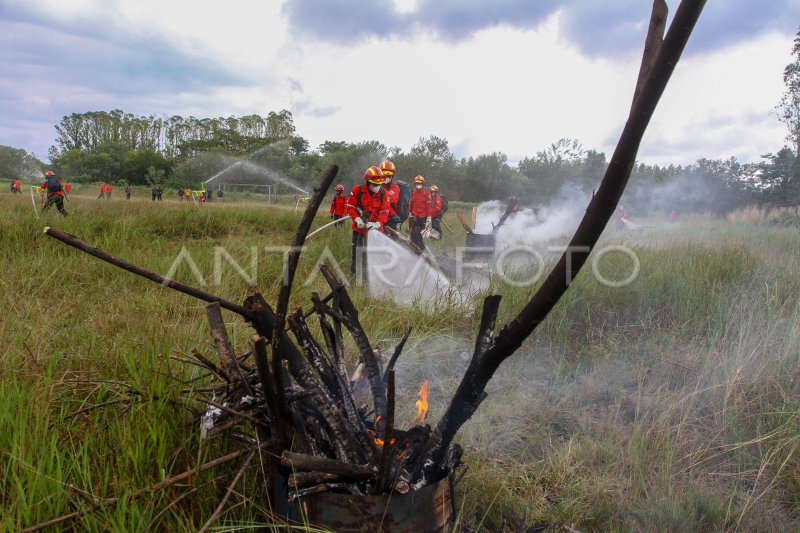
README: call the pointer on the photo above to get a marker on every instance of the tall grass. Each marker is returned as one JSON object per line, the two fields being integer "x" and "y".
{"x": 668, "y": 404}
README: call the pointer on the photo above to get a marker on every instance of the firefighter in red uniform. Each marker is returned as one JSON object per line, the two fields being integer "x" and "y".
{"x": 18, "y": 186}
{"x": 55, "y": 192}
{"x": 436, "y": 209}
{"x": 419, "y": 211}
{"x": 393, "y": 190}
{"x": 368, "y": 207}
{"x": 339, "y": 204}
{"x": 102, "y": 190}
{"x": 67, "y": 188}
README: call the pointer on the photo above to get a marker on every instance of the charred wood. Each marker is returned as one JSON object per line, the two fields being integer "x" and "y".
{"x": 303, "y": 462}
{"x": 349, "y": 317}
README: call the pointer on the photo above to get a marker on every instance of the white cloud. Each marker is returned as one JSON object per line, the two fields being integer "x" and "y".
{"x": 511, "y": 90}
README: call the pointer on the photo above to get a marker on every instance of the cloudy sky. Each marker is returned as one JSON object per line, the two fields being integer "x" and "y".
{"x": 504, "y": 75}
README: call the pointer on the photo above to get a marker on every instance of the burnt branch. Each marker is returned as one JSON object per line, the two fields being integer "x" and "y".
{"x": 396, "y": 355}
{"x": 598, "y": 213}
{"x": 314, "y": 354}
{"x": 294, "y": 254}
{"x": 226, "y": 354}
{"x": 381, "y": 484}
{"x": 75, "y": 242}
{"x": 303, "y": 462}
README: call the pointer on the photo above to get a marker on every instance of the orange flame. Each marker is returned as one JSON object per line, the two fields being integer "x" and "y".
{"x": 378, "y": 441}
{"x": 422, "y": 404}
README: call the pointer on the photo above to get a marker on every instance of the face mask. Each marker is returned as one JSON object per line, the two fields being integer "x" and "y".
{"x": 374, "y": 188}
{"x": 419, "y": 186}
{"x": 388, "y": 181}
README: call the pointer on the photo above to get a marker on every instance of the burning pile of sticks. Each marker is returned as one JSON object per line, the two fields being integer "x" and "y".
{"x": 303, "y": 402}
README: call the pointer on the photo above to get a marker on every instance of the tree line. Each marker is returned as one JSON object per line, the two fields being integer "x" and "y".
{"x": 176, "y": 151}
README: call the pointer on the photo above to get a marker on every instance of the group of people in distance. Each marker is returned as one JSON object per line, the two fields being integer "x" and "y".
{"x": 378, "y": 204}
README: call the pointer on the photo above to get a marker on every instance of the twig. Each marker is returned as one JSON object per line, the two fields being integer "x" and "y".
{"x": 218, "y": 511}
{"x": 386, "y": 454}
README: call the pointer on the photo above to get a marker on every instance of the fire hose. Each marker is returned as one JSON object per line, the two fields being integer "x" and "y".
{"x": 328, "y": 225}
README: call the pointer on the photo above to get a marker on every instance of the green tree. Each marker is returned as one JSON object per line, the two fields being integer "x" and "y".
{"x": 136, "y": 165}
{"x": 790, "y": 101}
{"x": 779, "y": 177}
{"x": 16, "y": 163}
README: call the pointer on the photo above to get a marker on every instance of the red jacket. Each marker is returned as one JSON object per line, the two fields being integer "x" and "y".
{"x": 17, "y": 184}
{"x": 50, "y": 193}
{"x": 420, "y": 204}
{"x": 68, "y": 186}
{"x": 436, "y": 205}
{"x": 393, "y": 191}
{"x": 374, "y": 206}
{"x": 338, "y": 205}
{"x": 108, "y": 187}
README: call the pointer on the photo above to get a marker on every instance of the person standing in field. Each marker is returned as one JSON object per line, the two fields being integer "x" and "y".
{"x": 55, "y": 192}
{"x": 128, "y": 191}
{"x": 67, "y": 189}
{"x": 368, "y": 207}
{"x": 18, "y": 186}
{"x": 438, "y": 209}
{"x": 339, "y": 203}
{"x": 102, "y": 190}
{"x": 219, "y": 196}
{"x": 187, "y": 193}
{"x": 108, "y": 191}
{"x": 393, "y": 190}
{"x": 419, "y": 210}
{"x": 159, "y": 192}
{"x": 180, "y": 195}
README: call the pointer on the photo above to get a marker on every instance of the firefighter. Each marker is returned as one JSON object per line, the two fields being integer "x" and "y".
{"x": 339, "y": 204}
{"x": 108, "y": 191}
{"x": 102, "y": 190}
{"x": 436, "y": 209}
{"x": 368, "y": 207}
{"x": 67, "y": 189}
{"x": 419, "y": 212}
{"x": 128, "y": 191}
{"x": 55, "y": 192}
{"x": 18, "y": 186}
{"x": 393, "y": 190}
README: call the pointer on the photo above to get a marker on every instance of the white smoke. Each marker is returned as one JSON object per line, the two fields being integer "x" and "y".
{"x": 553, "y": 222}
{"x": 396, "y": 272}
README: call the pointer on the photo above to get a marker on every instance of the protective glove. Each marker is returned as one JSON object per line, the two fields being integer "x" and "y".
{"x": 374, "y": 225}
{"x": 359, "y": 223}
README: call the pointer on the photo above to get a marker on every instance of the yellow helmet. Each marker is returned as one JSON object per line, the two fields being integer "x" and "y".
{"x": 387, "y": 167}
{"x": 434, "y": 188}
{"x": 419, "y": 180}
{"x": 374, "y": 176}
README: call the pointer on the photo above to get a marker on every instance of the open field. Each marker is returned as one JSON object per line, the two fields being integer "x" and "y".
{"x": 670, "y": 404}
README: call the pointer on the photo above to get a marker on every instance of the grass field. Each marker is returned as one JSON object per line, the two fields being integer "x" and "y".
{"x": 670, "y": 404}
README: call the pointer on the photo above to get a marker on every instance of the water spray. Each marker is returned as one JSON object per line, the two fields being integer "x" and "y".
{"x": 33, "y": 201}
{"x": 257, "y": 169}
